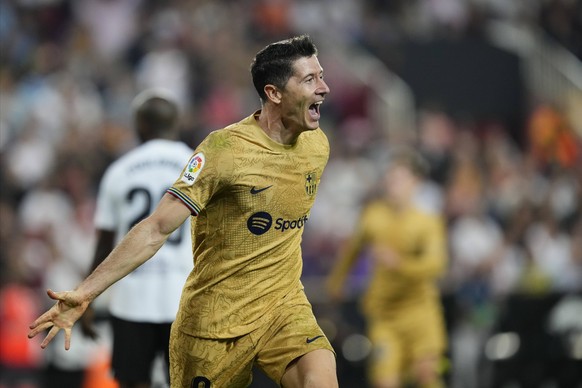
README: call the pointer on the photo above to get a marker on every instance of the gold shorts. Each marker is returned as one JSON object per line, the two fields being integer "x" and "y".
{"x": 284, "y": 335}
{"x": 413, "y": 334}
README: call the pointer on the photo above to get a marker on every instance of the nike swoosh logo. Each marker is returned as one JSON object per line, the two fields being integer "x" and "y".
{"x": 310, "y": 340}
{"x": 257, "y": 191}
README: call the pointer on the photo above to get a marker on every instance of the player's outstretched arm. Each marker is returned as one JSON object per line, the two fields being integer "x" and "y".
{"x": 139, "y": 245}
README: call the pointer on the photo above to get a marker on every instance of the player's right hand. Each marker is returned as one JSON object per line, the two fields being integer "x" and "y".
{"x": 63, "y": 315}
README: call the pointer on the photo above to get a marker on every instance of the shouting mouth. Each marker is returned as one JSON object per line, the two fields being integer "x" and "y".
{"x": 314, "y": 110}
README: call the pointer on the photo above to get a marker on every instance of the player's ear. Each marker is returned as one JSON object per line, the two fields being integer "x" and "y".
{"x": 273, "y": 93}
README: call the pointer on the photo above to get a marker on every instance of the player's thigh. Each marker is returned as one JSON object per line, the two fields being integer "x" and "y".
{"x": 385, "y": 365}
{"x": 203, "y": 363}
{"x": 314, "y": 369}
{"x": 134, "y": 350}
{"x": 293, "y": 334}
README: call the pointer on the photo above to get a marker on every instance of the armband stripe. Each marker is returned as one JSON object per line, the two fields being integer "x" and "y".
{"x": 194, "y": 209}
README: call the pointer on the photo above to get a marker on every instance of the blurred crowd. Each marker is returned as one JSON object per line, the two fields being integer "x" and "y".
{"x": 70, "y": 69}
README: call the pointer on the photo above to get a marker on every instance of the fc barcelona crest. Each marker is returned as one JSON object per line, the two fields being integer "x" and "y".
{"x": 311, "y": 183}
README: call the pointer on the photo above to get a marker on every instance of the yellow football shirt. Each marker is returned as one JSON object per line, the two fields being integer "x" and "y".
{"x": 251, "y": 197}
{"x": 419, "y": 240}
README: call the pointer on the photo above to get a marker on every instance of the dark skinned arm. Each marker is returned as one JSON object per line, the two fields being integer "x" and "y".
{"x": 105, "y": 241}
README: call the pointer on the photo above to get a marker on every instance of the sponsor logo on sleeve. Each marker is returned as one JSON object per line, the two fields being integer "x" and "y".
{"x": 193, "y": 169}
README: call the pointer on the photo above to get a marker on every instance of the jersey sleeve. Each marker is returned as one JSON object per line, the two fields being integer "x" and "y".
{"x": 206, "y": 173}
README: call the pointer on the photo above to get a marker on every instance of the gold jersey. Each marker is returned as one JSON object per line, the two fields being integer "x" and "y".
{"x": 418, "y": 238}
{"x": 251, "y": 197}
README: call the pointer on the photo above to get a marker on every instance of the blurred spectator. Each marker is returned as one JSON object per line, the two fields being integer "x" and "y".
{"x": 112, "y": 25}
{"x": 552, "y": 140}
{"x": 20, "y": 359}
{"x": 436, "y": 141}
{"x": 552, "y": 252}
{"x": 165, "y": 64}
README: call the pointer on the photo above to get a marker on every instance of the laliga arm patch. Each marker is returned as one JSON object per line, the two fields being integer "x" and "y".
{"x": 193, "y": 169}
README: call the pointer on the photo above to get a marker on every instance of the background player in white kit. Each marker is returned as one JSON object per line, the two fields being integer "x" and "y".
{"x": 143, "y": 304}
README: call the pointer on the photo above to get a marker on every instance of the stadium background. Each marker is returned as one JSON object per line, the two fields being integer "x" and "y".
{"x": 489, "y": 90}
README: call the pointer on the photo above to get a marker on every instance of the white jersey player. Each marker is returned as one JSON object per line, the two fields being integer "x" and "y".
{"x": 144, "y": 303}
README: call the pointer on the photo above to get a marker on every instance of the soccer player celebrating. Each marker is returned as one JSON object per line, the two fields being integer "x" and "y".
{"x": 249, "y": 188}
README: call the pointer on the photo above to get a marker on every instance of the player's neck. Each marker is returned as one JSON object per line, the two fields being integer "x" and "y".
{"x": 273, "y": 125}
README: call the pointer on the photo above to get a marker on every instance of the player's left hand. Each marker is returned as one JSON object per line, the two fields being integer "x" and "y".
{"x": 63, "y": 315}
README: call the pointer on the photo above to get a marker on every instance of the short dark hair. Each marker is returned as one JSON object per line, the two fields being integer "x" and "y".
{"x": 155, "y": 116}
{"x": 274, "y": 63}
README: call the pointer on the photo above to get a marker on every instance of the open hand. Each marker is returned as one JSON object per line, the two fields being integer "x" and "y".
{"x": 63, "y": 315}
